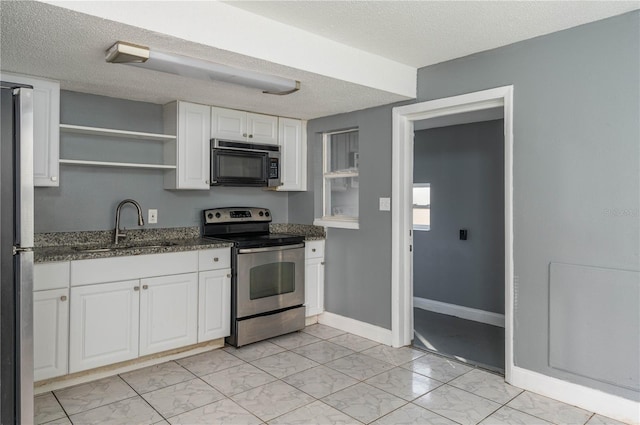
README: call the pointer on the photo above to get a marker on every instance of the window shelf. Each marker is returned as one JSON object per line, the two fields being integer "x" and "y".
{"x": 341, "y": 173}
{"x": 338, "y": 222}
{"x": 79, "y": 129}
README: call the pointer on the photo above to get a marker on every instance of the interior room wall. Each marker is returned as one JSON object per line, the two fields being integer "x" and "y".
{"x": 87, "y": 196}
{"x": 575, "y": 180}
{"x": 465, "y": 168}
{"x": 576, "y": 190}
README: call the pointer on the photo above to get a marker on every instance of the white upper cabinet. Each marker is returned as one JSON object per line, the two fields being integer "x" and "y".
{"x": 191, "y": 124}
{"x": 241, "y": 126}
{"x": 292, "y": 136}
{"x": 46, "y": 136}
{"x": 262, "y": 128}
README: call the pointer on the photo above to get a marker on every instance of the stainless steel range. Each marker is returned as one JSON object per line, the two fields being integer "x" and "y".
{"x": 267, "y": 293}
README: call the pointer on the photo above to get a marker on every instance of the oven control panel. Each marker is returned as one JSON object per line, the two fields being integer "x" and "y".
{"x": 236, "y": 215}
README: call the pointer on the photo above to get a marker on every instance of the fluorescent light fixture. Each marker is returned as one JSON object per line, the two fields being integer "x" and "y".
{"x": 143, "y": 57}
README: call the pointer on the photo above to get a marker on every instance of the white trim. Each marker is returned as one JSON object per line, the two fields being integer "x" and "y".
{"x": 618, "y": 408}
{"x": 127, "y": 366}
{"x": 461, "y": 311}
{"x": 311, "y": 320}
{"x": 403, "y": 118}
{"x": 334, "y": 222}
{"x": 356, "y": 327}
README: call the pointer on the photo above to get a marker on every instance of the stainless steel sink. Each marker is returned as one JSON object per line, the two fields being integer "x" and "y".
{"x": 141, "y": 245}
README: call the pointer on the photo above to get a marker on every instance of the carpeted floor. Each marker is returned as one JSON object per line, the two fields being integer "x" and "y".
{"x": 472, "y": 342}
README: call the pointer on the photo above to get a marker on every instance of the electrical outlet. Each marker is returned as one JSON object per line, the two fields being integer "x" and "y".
{"x": 153, "y": 216}
{"x": 385, "y": 204}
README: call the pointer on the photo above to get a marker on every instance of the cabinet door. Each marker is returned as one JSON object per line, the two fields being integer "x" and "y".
{"x": 314, "y": 286}
{"x": 228, "y": 124}
{"x": 214, "y": 301}
{"x": 46, "y": 128}
{"x": 293, "y": 154}
{"x": 262, "y": 128}
{"x": 193, "y": 146}
{"x": 103, "y": 324}
{"x": 50, "y": 333}
{"x": 168, "y": 312}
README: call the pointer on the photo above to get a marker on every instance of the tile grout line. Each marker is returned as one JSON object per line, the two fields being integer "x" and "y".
{"x": 140, "y": 395}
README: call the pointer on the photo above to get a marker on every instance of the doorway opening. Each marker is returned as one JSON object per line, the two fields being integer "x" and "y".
{"x": 458, "y": 237}
{"x": 436, "y": 113}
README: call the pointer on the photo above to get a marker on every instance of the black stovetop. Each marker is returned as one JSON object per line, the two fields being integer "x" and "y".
{"x": 258, "y": 240}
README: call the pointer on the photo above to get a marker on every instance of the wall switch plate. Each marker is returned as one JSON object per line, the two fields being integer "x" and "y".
{"x": 153, "y": 216}
{"x": 385, "y": 204}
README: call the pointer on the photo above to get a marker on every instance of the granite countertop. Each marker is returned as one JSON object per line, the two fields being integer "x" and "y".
{"x": 68, "y": 246}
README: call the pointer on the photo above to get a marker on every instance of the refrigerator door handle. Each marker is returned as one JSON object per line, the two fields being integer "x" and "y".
{"x": 24, "y": 203}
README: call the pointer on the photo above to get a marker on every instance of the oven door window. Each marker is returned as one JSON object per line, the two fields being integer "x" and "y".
{"x": 272, "y": 279}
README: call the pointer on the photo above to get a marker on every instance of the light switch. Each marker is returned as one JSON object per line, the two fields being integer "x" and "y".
{"x": 153, "y": 216}
{"x": 385, "y": 204}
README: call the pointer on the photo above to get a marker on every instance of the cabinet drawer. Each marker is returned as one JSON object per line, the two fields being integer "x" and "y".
{"x": 213, "y": 259}
{"x": 50, "y": 276}
{"x": 314, "y": 249}
{"x": 102, "y": 270}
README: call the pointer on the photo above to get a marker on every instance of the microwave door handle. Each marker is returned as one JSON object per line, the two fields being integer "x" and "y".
{"x": 270, "y": 248}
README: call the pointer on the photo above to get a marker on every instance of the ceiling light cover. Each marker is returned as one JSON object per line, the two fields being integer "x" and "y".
{"x": 197, "y": 68}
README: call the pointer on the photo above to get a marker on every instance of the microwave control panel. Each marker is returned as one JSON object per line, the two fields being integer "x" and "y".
{"x": 273, "y": 168}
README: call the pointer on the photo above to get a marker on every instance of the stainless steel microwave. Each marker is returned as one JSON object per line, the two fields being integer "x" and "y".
{"x": 244, "y": 164}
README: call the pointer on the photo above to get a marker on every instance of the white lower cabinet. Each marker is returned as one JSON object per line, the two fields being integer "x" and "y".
{"x": 50, "y": 333}
{"x": 214, "y": 303}
{"x": 314, "y": 278}
{"x": 104, "y": 324}
{"x": 168, "y": 312}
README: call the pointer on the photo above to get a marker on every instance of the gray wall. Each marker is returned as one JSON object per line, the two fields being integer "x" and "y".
{"x": 88, "y": 196}
{"x": 358, "y": 262}
{"x": 576, "y": 166}
{"x": 464, "y": 165}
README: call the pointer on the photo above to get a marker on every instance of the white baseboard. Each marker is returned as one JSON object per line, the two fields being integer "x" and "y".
{"x": 468, "y": 313}
{"x": 356, "y": 327}
{"x": 619, "y": 408}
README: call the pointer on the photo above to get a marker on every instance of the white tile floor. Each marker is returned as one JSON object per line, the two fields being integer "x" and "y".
{"x": 318, "y": 376}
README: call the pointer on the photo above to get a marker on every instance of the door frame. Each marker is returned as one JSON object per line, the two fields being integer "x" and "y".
{"x": 401, "y": 201}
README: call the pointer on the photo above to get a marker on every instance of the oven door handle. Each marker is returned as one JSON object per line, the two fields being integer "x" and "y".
{"x": 270, "y": 248}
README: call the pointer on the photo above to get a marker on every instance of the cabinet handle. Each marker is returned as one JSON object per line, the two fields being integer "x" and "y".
{"x": 63, "y": 298}
{"x": 250, "y": 136}
{"x": 145, "y": 286}
{"x": 229, "y": 275}
{"x": 313, "y": 250}
{"x": 54, "y": 178}
{"x": 206, "y": 182}
{"x": 216, "y": 259}
{"x": 322, "y": 263}
{"x": 244, "y": 134}
{"x": 136, "y": 288}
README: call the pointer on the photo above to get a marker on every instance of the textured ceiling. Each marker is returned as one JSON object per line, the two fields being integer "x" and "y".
{"x": 421, "y": 33}
{"x": 48, "y": 41}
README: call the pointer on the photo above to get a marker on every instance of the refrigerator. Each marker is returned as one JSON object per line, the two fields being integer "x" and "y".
{"x": 16, "y": 254}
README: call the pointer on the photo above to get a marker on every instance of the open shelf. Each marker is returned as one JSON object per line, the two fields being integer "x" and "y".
{"x": 117, "y": 164}
{"x": 79, "y": 129}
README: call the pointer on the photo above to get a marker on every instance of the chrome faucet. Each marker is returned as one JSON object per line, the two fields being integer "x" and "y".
{"x": 119, "y": 234}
